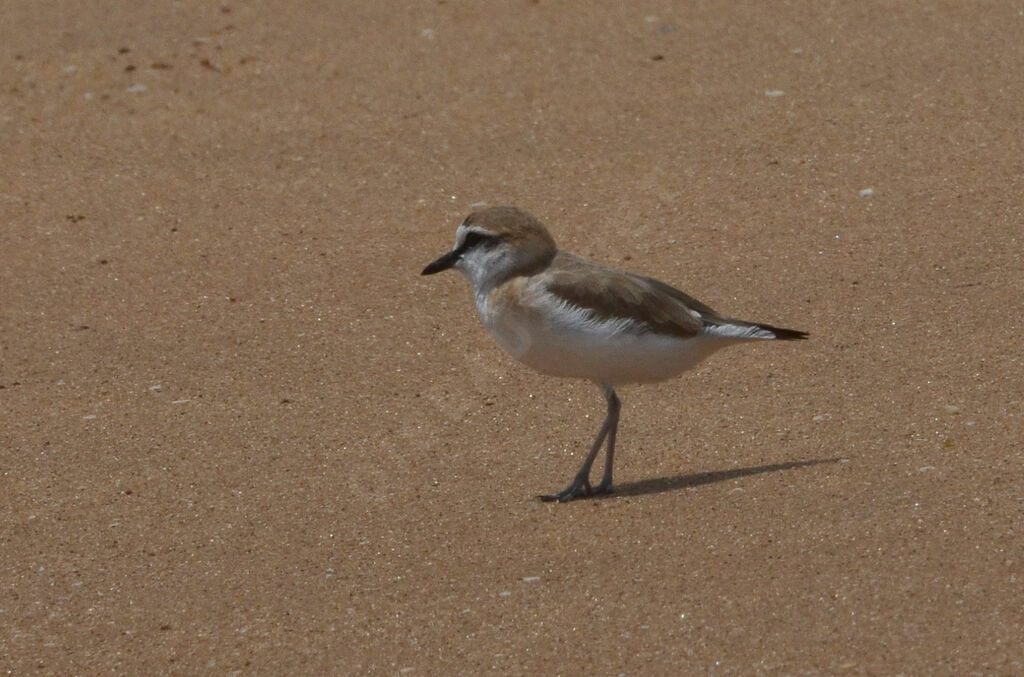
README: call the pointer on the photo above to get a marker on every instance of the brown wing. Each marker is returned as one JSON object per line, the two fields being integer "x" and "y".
{"x": 711, "y": 318}
{"x": 609, "y": 294}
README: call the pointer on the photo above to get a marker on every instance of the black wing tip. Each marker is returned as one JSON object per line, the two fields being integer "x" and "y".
{"x": 786, "y": 334}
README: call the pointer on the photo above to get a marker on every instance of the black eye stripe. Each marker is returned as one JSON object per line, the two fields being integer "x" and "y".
{"x": 474, "y": 238}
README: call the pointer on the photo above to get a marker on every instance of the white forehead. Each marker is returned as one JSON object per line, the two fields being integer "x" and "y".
{"x": 463, "y": 230}
{"x": 460, "y": 234}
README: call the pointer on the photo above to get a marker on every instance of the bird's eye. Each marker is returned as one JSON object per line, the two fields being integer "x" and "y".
{"x": 474, "y": 238}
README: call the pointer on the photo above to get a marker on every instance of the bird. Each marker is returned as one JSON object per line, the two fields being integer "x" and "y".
{"x": 565, "y": 316}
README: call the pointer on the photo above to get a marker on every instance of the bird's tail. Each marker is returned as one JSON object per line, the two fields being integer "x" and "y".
{"x": 752, "y": 331}
{"x": 781, "y": 334}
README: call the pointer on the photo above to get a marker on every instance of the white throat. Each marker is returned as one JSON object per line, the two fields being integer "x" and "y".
{"x": 487, "y": 268}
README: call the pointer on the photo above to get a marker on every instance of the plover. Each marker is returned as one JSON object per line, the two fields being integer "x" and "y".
{"x": 566, "y": 316}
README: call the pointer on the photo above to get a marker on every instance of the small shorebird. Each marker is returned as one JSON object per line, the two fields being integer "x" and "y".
{"x": 565, "y": 316}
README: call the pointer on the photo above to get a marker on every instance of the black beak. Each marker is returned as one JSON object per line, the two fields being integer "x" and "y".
{"x": 443, "y": 263}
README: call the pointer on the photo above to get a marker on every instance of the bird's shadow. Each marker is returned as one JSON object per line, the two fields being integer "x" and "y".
{"x": 657, "y": 485}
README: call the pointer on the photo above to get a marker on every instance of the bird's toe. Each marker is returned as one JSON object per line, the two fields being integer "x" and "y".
{"x": 578, "y": 489}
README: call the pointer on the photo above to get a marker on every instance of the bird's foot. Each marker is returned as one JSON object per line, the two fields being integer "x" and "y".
{"x": 605, "y": 487}
{"x": 579, "y": 488}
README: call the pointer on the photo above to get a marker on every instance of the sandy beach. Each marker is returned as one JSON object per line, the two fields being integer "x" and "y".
{"x": 240, "y": 433}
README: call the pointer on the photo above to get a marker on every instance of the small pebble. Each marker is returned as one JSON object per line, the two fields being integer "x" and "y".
{"x": 137, "y": 88}
{"x": 951, "y": 409}
{"x": 773, "y": 92}
{"x": 866, "y": 192}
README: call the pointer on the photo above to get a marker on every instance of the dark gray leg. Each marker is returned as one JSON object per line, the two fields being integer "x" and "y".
{"x": 614, "y": 406}
{"x": 580, "y": 485}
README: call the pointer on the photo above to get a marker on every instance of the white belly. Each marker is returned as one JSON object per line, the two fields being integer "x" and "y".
{"x": 607, "y": 352}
